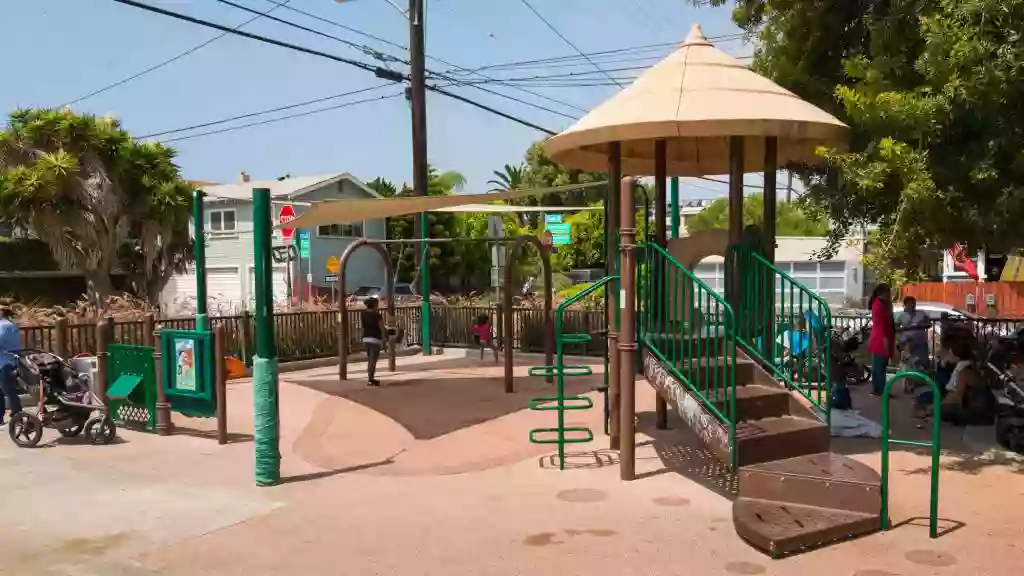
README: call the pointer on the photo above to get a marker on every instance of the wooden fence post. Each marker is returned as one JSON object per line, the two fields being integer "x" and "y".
{"x": 221, "y": 383}
{"x": 246, "y": 337}
{"x": 163, "y": 407}
{"x": 102, "y": 341}
{"x": 148, "y": 330}
{"x": 61, "y": 346}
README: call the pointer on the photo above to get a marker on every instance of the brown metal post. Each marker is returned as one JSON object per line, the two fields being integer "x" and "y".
{"x": 627, "y": 334}
{"x": 611, "y": 217}
{"x": 389, "y": 341}
{"x": 613, "y": 378}
{"x": 102, "y": 358}
{"x": 221, "y": 384}
{"x": 343, "y": 338}
{"x": 771, "y": 166}
{"x": 60, "y": 338}
{"x": 661, "y": 239}
{"x": 163, "y": 407}
{"x": 736, "y": 163}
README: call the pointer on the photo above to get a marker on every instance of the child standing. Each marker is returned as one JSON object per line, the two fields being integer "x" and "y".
{"x": 482, "y": 335}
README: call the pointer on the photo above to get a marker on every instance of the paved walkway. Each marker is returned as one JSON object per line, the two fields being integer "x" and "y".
{"x": 432, "y": 474}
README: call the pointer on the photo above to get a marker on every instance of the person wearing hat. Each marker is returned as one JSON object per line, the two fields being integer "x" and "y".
{"x": 10, "y": 342}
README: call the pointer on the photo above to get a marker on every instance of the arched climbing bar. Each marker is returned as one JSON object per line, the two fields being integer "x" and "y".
{"x": 389, "y": 271}
{"x": 509, "y": 323}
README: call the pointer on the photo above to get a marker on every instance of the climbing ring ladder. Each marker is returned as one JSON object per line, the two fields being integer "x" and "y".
{"x": 560, "y": 403}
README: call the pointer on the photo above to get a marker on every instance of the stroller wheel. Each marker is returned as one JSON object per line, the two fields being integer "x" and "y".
{"x": 100, "y": 431}
{"x": 25, "y": 429}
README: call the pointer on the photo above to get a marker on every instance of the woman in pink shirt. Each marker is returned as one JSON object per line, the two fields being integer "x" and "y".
{"x": 882, "y": 342}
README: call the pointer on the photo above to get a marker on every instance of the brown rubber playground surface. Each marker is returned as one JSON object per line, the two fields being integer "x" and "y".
{"x": 433, "y": 474}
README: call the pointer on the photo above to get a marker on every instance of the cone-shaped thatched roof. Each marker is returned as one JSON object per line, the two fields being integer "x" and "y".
{"x": 695, "y": 99}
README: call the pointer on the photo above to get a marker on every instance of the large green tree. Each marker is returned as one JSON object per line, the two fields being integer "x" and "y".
{"x": 99, "y": 199}
{"x": 790, "y": 220}
{"x": 932, "y": 92}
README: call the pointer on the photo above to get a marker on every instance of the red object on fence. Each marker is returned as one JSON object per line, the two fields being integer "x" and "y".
{"x": 962, "y": 263}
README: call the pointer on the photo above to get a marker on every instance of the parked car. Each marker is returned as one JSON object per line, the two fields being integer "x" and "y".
{"x": 403, "y": 290}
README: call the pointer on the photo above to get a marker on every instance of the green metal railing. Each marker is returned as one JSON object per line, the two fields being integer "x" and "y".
{"x": 560, "y": 403}
{"x": 690, "y": 329}
{"x": 783, "y": 324}
{"x": 934, "y": 445}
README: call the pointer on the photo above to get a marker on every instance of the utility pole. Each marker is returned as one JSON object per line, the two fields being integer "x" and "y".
{"x": 418, "y": 102}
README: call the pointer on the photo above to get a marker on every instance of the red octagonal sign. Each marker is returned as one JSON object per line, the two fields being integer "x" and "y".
{"x": 286, "y": 215}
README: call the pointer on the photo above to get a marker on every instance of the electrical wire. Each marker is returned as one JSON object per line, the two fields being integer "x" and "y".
{"x": 380, "y": 72}
{"x": 384, "y": 57}
{"x": 376, "y": 54}
{"x": 282, "y": 118}
{"x": 173, "y": 59}
{"x": 267, "y": 111}
{"x": 564, "y": 39}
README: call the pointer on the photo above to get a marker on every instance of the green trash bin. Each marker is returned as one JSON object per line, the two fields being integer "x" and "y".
{"x": 131, "y": 393}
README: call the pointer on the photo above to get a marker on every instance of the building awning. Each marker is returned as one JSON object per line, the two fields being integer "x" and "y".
{"x": 505, "y": 208}
{"x": 341, "y": 211}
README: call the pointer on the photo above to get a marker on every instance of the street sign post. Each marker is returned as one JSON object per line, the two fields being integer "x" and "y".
{"x": 552, "y": 218}
{"x": 331, "y": 278}
{"x": 303, "y": 243}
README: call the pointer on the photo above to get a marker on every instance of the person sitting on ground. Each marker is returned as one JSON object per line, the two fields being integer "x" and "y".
{"x": 966, "y": 399}
{"x": 482, "y": 335}
{"x": 373, "y": 338}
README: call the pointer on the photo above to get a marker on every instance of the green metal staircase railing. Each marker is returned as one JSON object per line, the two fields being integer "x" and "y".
{"x": 783, "y": 324}
{"x": 561, "y": 403}
{"x": 690, "y": 329}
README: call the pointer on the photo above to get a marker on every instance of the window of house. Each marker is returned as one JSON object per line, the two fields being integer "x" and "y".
{"x": 347, "y": 230}
{"x": 223, "y": 222}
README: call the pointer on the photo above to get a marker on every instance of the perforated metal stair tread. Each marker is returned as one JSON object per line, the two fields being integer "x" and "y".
{"x": 782, "y": 528}
{"x": 750, "y": 391}
{"x": 824, "y": 466}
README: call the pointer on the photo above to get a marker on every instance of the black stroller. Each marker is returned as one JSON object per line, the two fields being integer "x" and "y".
{"x": 66, "y": 401}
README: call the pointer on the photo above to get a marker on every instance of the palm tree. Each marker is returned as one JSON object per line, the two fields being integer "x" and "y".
{"x": 511, "y": 178}
{"x": 83, "y": 186}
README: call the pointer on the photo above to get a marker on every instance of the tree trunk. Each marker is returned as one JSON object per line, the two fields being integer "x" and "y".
{"x": 99, "y": 287}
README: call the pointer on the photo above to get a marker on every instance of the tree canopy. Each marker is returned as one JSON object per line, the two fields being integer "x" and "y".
{"x": 100, "y": 200}
{"x": 790, "y": 220}
{"x": 931, "y": 90}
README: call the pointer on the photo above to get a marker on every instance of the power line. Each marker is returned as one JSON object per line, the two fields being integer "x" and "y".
{"x": 376, "y": 54}
{"x": 564, "y": 39}
{"x": 378, "y": 71}
{"x": 267, "y": 111}
{"x": 173, "y": 59}
{"x": 282, "y": 118}
{"x": 385, "y": 57}
{"x": 406, "y": 48}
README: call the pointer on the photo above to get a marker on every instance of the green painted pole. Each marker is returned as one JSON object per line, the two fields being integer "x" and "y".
{"x": 266, "y": 420}
{"x": 199, "y": 251}
{"x": 425, "y": 284}
{"x": 674, "y": 196}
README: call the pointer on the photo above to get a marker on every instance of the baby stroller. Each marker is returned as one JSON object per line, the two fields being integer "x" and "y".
{"x": 66, "y": 401}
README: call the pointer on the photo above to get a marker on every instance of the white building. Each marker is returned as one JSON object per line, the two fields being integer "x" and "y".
{"x": 840, "y": 280}
{"x": 229, "y": 244}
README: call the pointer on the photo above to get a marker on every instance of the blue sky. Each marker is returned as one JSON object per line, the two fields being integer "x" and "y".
{"x": 69, "y": 48}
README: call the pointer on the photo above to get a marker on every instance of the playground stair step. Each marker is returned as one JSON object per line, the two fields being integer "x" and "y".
{"x": 826, "y": 480}
{"x": 744, "y": 367}
{"x": 755, "y": 401}
{"x": 780, "y": 528}
{"x": 779, "y": 438}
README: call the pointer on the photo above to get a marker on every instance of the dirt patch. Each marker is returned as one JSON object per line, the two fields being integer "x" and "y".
{"x": 582, "y": 495}
{"x": 541, "y": 539}
{"x": 671, "y": 501}
{"x": 930, "y": 558}
{"x": 744, "y": 568}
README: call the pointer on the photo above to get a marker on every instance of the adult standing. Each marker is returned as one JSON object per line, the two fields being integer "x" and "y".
{"x": 10, "y": 342}
{"x": 882, "y": 341}
{"x": 373, "y": 339}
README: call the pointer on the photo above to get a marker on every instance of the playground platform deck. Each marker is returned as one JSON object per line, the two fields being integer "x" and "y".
{"x": 432, "y": 474}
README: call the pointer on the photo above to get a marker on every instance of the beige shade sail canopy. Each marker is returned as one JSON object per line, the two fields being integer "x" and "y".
{"x": 695, "y": 99}
{"x": 341, "y": 211}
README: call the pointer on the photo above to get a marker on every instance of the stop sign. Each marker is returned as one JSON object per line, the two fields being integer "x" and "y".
{"x": 286, "y": 215}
